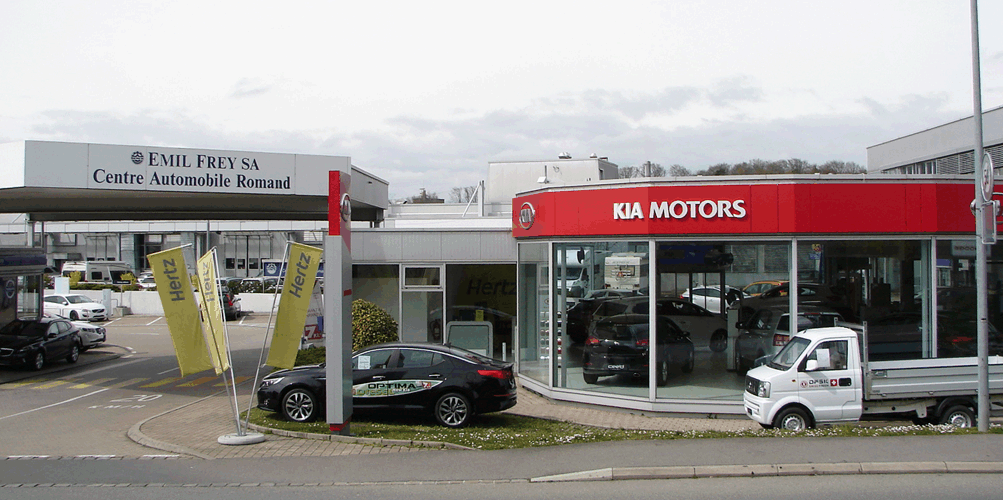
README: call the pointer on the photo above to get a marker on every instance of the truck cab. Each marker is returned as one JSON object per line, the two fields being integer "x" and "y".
{"x": 815, "y": 378}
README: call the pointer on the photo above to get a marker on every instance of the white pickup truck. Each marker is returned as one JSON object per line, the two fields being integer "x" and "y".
{"x": 822, "y": 376}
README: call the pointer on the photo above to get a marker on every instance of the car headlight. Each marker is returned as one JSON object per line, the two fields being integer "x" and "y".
{"x": 268, "y": 382}
{"x": 763, "y": 390}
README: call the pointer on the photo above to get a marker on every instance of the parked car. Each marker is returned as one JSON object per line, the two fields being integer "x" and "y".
{"x": 706, "y": 329}
{"x": 90, "y": 335}
{"x": 581, "y": 312}
{"x": 812, "y": 294}
{"x": 709, "y": 297}
{"x": 231, "y": 303}
{"x": 259, "y": 285}
{"x": 769, "y": 330}
{"x": 147, "y": 283}
{"x": 757, "y": 287}
{"x": 33, "y": 343}
{"x": 619, "y": 345}
{"x": 75, "y": 307}
{"x": 449, "y": 383}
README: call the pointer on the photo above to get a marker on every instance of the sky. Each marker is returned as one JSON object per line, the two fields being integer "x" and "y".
{"x": 425, "y": 94}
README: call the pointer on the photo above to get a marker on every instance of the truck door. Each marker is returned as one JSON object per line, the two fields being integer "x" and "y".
{"x": 829, "y": 387}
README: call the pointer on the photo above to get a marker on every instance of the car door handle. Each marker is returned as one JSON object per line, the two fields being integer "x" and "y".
{"x": 434, "y": 375}
{"x": 378, "y": 377}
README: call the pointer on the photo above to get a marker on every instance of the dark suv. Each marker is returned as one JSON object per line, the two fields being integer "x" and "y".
{"x": 231, "y": 303}
{"x": 620, "y": 345}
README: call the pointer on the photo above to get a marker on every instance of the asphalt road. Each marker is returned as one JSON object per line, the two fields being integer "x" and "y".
{"x": 85, "y": 409}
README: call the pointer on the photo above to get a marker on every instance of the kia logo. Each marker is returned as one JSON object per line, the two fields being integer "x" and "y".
{"x": 527, "y": 215}
{"x": 137, "y": 157}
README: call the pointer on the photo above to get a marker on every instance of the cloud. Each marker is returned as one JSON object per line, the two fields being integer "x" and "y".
{"x": 249, "y": 87}
{"x": 414, "y": 152}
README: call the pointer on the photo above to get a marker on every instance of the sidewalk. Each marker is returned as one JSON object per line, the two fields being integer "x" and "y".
{"x": 193, "y": 429}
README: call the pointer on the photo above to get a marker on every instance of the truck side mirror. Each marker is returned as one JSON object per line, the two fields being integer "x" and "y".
{"x": 811, "y": 365}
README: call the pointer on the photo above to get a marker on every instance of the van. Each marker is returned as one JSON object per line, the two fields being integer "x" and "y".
{"x": 99, "y": 271}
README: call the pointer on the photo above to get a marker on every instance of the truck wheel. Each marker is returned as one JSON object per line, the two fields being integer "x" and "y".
{"x": 792, "y": 419}
{"x": 959, "y": 416}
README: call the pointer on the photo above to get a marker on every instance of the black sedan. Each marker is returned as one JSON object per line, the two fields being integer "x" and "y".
{"x": 619, "y": 345}
{"x": 33, "y": 343}
{"x": 450, "y": 383}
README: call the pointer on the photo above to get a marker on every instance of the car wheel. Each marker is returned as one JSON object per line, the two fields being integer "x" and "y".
{"x": 719, "y": 341}
{"x": 590, "y": 378}
{"x": 690, "y": 362}
{"x": 662, "y": 372}
{"x": 453, "y": 410}
{"x": 959, "y": 416}
{"x": 739, "y": 364}
{"x": 74, "y": 354}
{"x": 792, "y": 419}
{"x": 38, "y": 361}
{"x": 299, "y": 405}
{"x": 74, "y": 316}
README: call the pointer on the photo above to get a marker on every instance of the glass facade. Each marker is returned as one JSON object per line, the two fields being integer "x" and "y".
{"x": 709, "y": 310}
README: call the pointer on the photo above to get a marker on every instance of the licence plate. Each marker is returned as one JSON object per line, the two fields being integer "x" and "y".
{"x": 616, "y": 367}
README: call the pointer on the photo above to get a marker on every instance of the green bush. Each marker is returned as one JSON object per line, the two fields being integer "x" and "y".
{"x": 371, "y": 325}
{"x": 311, "y": 356}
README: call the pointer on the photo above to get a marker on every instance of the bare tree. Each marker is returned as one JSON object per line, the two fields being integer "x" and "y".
{"x": 655, "y": 170}
{"x": 462, "y": 194}
{"x": 677, "y": 170}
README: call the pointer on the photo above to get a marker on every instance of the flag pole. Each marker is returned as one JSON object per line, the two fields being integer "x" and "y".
{"x": 268, "y": 326}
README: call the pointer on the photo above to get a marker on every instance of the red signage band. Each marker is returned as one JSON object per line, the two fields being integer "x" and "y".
{"x": 727, "y": 209}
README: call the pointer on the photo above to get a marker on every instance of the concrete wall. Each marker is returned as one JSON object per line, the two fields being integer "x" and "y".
{"x": 147, "y": 303}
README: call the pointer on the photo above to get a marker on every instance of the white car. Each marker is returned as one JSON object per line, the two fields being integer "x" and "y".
{"x": 709, "y": 297}
{"x": 90, "y": 335}
{"x": 76, "y": 307}
{"x": 147, "y": 283}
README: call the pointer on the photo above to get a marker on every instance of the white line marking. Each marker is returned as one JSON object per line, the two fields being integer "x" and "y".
{"x": 169, "y": 371}
{"x": 99, "y": 457}
{"x": 54, "y": 404}
{"x": 22, "y": 457}
{"x": 154, "y": 321}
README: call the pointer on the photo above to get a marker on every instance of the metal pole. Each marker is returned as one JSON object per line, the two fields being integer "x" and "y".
{"x": 982, "y": 292}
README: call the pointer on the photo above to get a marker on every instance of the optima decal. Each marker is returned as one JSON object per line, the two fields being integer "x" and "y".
{"x": 393, "y": 388}
{"x": 816, "y": 383}
{"x": 679, "y": 209}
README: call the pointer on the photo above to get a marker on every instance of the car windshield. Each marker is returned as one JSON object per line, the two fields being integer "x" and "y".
{"x": 77, "y": 299}
{"x": 789, "y": 354}
{"x": 622, "y": 332}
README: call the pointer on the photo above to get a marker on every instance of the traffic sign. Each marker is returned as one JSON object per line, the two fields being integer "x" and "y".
{"x": 987, "y": 177}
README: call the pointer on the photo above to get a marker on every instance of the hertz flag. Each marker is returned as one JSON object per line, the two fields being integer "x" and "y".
{"x": 213, "y": 309}
{"x": 301, "y": 272}
{"x": 180, "y": 310}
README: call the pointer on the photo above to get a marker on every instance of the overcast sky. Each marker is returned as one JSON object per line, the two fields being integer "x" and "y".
{"x": 425, "y": 94}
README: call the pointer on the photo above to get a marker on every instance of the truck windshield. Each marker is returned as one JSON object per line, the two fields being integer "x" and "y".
{"x": 789, "y": 354}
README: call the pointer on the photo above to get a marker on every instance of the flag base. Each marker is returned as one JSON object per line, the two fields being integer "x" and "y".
{"x": 241, "y": 439}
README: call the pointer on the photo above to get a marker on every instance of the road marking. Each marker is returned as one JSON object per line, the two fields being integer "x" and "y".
{"x": 200, "y": 380}
{"x": 55, "y": 383}
{"x": 92, "y": 383}
{"x": 154, "y": 321}
{"x": 227, "y": 383}
{"x": 159, "y": 383}
{"x": 25, "y": 457}
{"x": 169, "y": 371}
{"x": 22, "y": 383}
{"x": 98, "y": 457}
{"x": 53, "y": 404}
{"x": 129, "y": 382}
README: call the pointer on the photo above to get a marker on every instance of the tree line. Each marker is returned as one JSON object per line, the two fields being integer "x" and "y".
{"x": 751, "y": 167}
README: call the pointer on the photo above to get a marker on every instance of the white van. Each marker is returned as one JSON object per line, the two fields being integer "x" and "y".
{"x": 99, "y": 271}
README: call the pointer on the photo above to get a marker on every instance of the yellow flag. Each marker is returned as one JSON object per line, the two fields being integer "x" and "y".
{"x": 294, "y": 302}
{"x": 180, "y": 310}
{"x": 212, "y": 310}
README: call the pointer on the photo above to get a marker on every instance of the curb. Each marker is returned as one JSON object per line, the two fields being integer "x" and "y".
{"x": 134, "y": 433}
{"x": 822, "y": 469}
{"x": 360, "y": 440}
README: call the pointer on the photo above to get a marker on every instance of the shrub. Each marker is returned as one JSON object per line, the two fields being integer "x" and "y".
{"x": 75, "y": 277}
{"x": 371, "y": 325}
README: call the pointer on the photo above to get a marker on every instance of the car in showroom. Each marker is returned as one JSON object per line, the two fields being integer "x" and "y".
{"x": 707, "y": 330}
{"x": 33, "y": 343}
{"x": 769, "y": 330}
{"x": 91, "y": 335}
{"x": 448, "y": 383}
{"x": 76, "y": 307}
{"x": 620, "y": 345}
{"x": 756, "y": 288}
{"x": 709, "y": 297}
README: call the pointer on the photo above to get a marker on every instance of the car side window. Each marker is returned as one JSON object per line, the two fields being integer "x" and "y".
{"x": 415, "y": 359}
{"x": 53, "y": 329}
{"x": 372, "y": 360}
{"x": 63, "y": 326}
{"x": 830, "y": 355}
